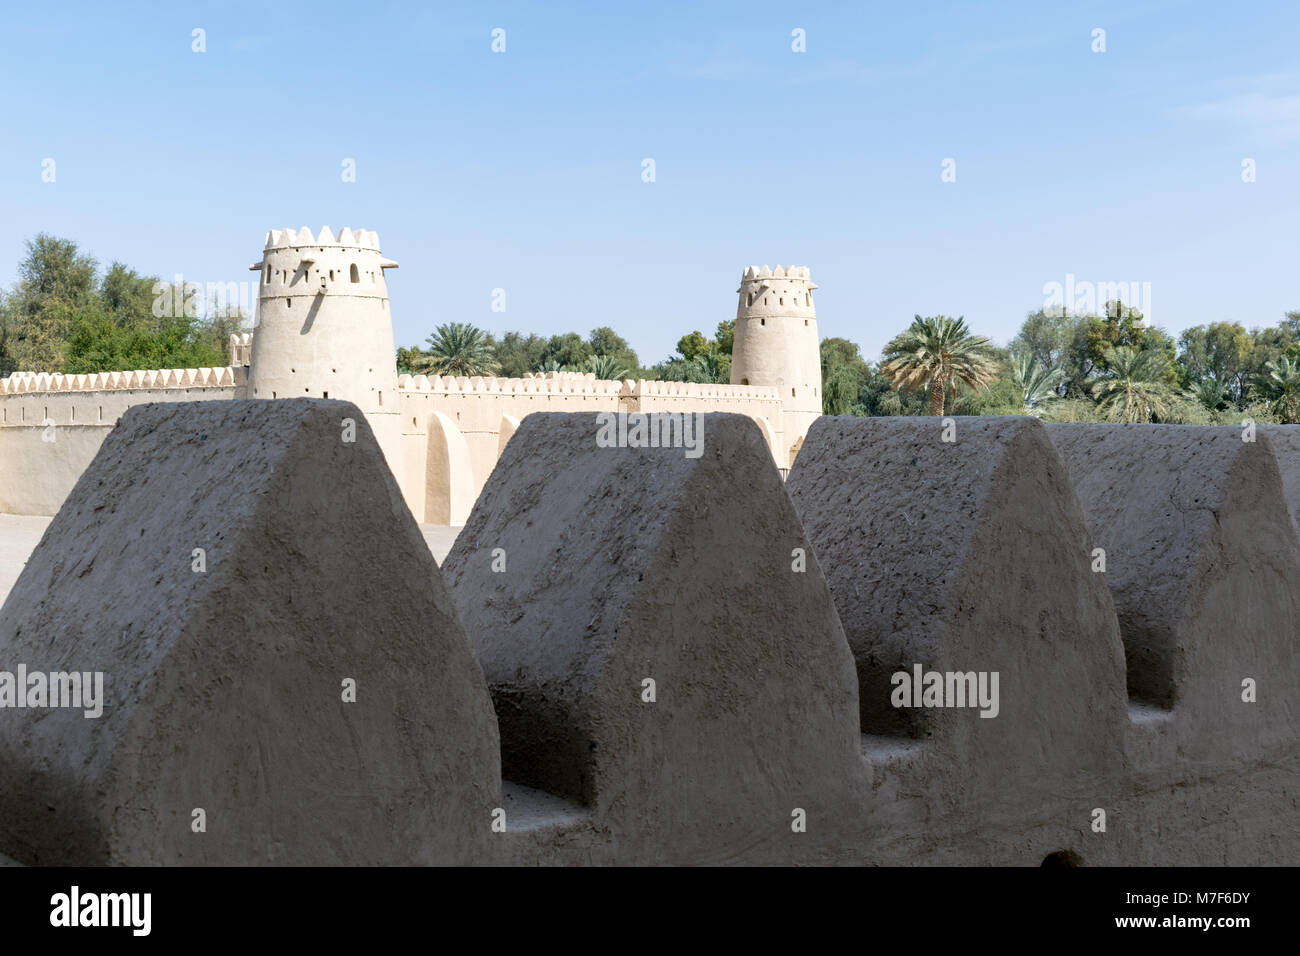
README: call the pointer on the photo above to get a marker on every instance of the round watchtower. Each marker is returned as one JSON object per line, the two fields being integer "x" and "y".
{"x": 324, "y": 328}
{"x": 777, "y": 345}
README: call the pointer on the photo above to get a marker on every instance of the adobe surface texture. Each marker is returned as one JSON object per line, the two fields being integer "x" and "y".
{"x": 229, "y": 567}
{"x": 690, "y": 661}
{"x": 618, "y": 566}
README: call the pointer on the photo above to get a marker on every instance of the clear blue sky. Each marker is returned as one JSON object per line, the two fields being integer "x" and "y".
{"x": 522, "y": 170}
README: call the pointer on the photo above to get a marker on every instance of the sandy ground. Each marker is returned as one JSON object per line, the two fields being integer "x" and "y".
{"x": 19, "y": 535}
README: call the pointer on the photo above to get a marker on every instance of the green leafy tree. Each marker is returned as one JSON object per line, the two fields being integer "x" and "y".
{"x": 692, "y": 344}
{"x": 1219, "y": 352}
{"x": 458, "y": 348}
{"x": 606, "y": 342}
{"x": 55, "y": 281}
{"x": 726, "y": 336}
{"x": 570, "y": 350}
{"x": 844, "y": 375}
{"x": 517, "y": 354}
{"x": 937, "y": 354}
{"x": 128, "y": 297}
{"x": 409, "y": 360}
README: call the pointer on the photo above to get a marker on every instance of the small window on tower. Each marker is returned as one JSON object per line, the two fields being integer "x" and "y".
{"x": 355, "y": 273}
{"x": 781, "y": 301}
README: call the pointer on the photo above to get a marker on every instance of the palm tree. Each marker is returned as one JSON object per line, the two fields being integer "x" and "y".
{"x": 938, "y": 353}
{"x": 548, "y": 365}
{"x": 712, "y": 367}
{"x": 1038, "y": 385}
{"x": 1281, "y": 381}
{"x": 1135, "y": 390}
{"x": 1209, "y": 393}
{"x": 458, "y": 348}
{"x": 605, "y": 367}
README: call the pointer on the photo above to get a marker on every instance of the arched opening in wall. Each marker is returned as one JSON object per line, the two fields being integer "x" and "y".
{"x": 750, "y": 301}
{"x": 381, "y": 398}
{"x": 744, "y": 381}
{"x": 449, "y": 477}
{"x": 792, "y": 393}
{"x": 762, "y": 321}
{"x": 354, "y": 273}
{"x": 324, "y": 394}
{"x": 781, "y": 301}
{"x": 805, "y": 321}
{"x": 1062, "y": 858}
{"x": 331, "y": 275}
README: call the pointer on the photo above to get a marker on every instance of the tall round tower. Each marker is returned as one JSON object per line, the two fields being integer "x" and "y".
{"x": 776, "y": 344}
{"x": 324, "y": 328}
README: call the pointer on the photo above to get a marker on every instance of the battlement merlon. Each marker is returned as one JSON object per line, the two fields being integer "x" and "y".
{"x": 287, "y": 240}
{"x": 763, "y": 276}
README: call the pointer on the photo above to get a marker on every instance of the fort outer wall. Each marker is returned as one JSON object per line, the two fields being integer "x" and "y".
{"x": 51, "y": 426}
{"x": 454, "y": 429}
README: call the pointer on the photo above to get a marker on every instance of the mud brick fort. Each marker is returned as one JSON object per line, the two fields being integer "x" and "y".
{"x": 631, "y": 655}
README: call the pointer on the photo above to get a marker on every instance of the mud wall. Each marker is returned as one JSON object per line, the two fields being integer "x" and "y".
{"x": 984, "y": 641}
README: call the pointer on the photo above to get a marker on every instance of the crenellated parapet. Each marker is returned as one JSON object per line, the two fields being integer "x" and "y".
{"x": 577, "y": 383}
{"x": 571, "y": 383}
{"x": 25, "y": 382}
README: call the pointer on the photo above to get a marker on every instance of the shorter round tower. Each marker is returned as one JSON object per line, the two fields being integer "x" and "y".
{"x": 323, "y": 326}
{"x": 777, "y": 345}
